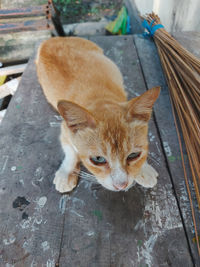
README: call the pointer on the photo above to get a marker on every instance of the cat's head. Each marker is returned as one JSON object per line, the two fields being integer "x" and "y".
{"x": 112, "y": 141}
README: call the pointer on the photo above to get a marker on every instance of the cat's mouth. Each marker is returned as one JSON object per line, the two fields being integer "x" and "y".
{"x": 110, "y": 186}
{"x": 120, "y": 187}
{"x": 126, "y": 188}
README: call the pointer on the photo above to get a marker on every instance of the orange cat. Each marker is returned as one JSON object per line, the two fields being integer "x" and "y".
{"x": 103, "y": 130}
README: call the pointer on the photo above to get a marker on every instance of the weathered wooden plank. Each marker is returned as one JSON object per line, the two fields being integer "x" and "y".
{"x": 136, "y": 228}
{"x": 31, "y": 210}
{"x": 20, "y": 19}
{"x": 163, "y": 113}
{"x": 9, "y": 88}
{"x": 13, "y": 69}
{"x": 2, "y": 114}
{"x": 27, "y": 25}
{"x": 102, "y": 228}
{"x": 12, "y": 44}
{"x": 23, "y": 12}
{"x": 21, "y": 3}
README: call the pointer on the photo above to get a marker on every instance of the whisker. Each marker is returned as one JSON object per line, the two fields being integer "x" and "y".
{"x": 83, "y": 173}
{"x": 87, "y": 176}
{"x": 86, "y": 173}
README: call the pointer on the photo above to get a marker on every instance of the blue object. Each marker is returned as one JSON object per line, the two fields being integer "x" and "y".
{"x": 151, "y": 29}
{"x": 128, "y": 25}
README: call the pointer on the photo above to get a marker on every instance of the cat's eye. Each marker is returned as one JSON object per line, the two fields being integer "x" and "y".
{"x": 133, "y": 156}
{"x": 98, "y": 160}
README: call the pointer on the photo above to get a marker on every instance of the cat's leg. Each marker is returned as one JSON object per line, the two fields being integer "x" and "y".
{"x": 66, "y": 176}
{"x": 147, "y": 176}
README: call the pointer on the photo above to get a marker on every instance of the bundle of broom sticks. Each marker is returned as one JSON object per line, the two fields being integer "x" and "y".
{"x": 182, "y": 70}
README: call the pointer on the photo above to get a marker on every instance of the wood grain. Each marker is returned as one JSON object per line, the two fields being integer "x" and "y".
{"x": 30, "y": 154}
{"x": 91, "y": 226}
{"x": 104, "y": 228}
{"x": 153, "y": 75}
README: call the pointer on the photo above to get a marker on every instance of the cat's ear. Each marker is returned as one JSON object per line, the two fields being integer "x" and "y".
{"x": 141, "y": 107}
{"x": 76, "y": 117}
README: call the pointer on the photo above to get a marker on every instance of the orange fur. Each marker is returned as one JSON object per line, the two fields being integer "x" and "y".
{"x": 87, "y": 89}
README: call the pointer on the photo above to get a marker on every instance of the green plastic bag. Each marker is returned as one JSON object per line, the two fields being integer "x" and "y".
{"x": 118, "y": 26}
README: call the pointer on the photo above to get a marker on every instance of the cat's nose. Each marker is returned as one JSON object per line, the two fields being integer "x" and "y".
{"x": 120, "y": 186}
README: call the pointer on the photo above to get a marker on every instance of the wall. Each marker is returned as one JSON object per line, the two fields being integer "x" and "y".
{"x": 176, "y": 15}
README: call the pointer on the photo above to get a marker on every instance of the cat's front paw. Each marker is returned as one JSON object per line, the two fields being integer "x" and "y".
{"x": 147, "y": 177}
{"x": 65, "y": 183}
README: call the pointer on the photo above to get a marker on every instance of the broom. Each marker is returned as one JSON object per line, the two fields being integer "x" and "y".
{"x": 182, "y": 70}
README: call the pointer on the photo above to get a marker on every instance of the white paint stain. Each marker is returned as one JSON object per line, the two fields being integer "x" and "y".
{"x": 10, "y": 240}
{"x": 76, "y": 213}
{"x": 152, "y": 156}
{"x": 21, "y": 181}
{"x": 137, "y": 94}
{"x": 147, "y": 249}
{"x": 32, "y": 123}
{"x": 38, "y": 174}
{"x": 54, "y": 124}
{"x": 157, "y": 215}
{"x": 62, "y": 204}
{"x": 41, "y": 201}
{"x": 9, "y": 265}
{"x": 50, "y": 263}
{"x": 160, "y": 215}
{"x": 151, "y": 137}
{"x": 157, "y": 146}
{"x": 26, "y": 245}
{"x": 90, "y": 233}
{"x": 34, "y": 263}
{"x": 13, "y": 168}
{"x": 59, "y": 118}
{"x": 45, "y": 246}
{"x": 38, "y": 219}
{"x": 18, "y": 99}
{"x": 76, "y": 200}
{"x": 40, "y": 179}
{"x": 32, "y": 182}
{"x": 25, "y": 224}
{"x": 4, "y": 164}
{"x": 161, "y": 210}
{"x": 107, "y": 235}
{"x": 34, "y": 225}
{"x": 167, "y": 149}
{"x": 185, "y": 204}
{"x": 86, "y": 184}
{"x": 94, "y": 193}
{"x": 139, "y": 225}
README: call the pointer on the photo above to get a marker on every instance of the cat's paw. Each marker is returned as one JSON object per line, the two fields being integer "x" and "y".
{"x": 65, "y": 183}
{"x": 147, "y": 177}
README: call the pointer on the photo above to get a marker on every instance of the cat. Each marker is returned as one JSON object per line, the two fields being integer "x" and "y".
{"x": 101, "y": 129}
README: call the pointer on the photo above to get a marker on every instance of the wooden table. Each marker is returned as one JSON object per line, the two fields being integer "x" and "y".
{"x": 91, "y": 227}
